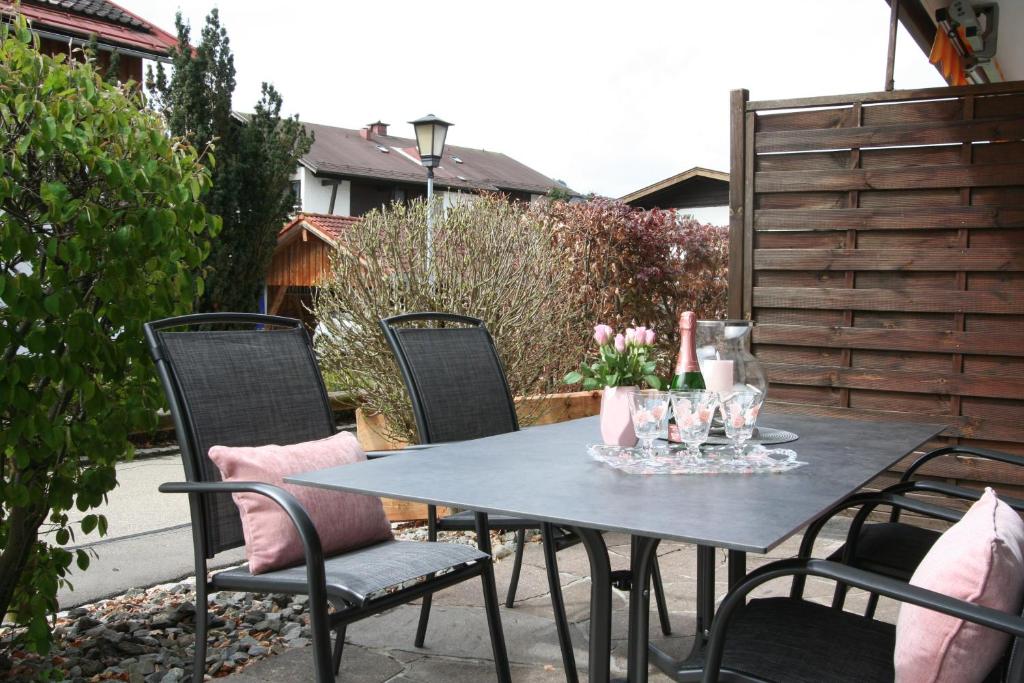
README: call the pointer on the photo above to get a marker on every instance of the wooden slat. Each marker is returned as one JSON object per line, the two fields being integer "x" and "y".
{"x": 889, "y": 219}
{"x": 890, "y": 259}
{"x": 889, "y": 300}
{"x": 984, "y": 386}
{"x": 960, "y": 427}
{"x": 930, "y": 341}
{"x": 927, "y": 133}
{"x": 947, "y": 175}
{"x": 892, "y": 96}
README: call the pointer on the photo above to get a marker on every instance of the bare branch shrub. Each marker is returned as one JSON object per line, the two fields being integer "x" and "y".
{"x": 492, "y": 259}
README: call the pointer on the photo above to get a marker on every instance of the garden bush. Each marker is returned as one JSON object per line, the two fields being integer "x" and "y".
{"x": 101, "y": 229}
{"x": 492, "y": 259}
{"x": 639, "y": 267}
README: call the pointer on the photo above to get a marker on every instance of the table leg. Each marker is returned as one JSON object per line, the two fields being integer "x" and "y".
{"x": 600, "y": 604}
{"x": 497, "y": 634}
{"x": 679, "y": 669}
{"x": 642, "y": 565}
{"x": 737, "y": 567}
{"x": 705, "y": 590}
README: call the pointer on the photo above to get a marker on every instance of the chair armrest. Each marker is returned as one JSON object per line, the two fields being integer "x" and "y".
{"x": 950, "y": 490}
{"x": 858, "y": 578}
{"x": 300, "y": 518}
{"x": 871, "y": 500}
{"x": 983, "y": 453}
{"x": 867, "y": 501}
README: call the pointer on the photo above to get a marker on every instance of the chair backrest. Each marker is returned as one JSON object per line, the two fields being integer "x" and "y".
{"x": 236, "y": 387}
{"x": 453, "y": 374}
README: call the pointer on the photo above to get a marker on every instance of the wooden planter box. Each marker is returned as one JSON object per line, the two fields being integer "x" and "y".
{"x": 556, "y": 408}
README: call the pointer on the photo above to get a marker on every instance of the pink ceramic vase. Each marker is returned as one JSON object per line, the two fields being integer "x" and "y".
{"x": 616, "y": 424}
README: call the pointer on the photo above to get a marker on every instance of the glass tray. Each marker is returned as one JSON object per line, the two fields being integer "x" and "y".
{"x": 674, "y": 460}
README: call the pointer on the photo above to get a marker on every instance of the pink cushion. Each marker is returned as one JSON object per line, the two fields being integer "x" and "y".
{"x": 980, "y": 559}
{"x": 343, "y": 520}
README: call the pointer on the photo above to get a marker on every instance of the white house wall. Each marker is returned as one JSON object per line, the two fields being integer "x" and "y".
{"x": 316, "y": 197}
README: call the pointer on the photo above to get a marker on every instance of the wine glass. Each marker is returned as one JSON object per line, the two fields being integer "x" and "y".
{"x": 649, "y": 410}
{"x": 740, "y": 410}
{"x": 694, "y": 411}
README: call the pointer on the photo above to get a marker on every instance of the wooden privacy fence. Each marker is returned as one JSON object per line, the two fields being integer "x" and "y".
{"x": 878, "y": 242}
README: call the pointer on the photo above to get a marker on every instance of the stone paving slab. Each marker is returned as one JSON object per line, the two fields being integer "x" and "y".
{"x": 457, "y": 650}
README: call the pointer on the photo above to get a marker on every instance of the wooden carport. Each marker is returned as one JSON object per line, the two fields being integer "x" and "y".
{"x": 301, "y": 260}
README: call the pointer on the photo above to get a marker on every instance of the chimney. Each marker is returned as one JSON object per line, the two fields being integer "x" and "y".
{"x": 375, "y": 129}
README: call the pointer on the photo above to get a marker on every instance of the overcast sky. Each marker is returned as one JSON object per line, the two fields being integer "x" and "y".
{"x": 607, "y": 96}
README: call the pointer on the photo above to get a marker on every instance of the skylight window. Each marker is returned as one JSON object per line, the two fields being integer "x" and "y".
{"x": 383, "y": 148}
{"x": 456, "y": 159}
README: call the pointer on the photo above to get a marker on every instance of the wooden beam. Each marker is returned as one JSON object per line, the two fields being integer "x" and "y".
{"x": 890, "y": 61}
{"x": 886, "y": 379}
{"x": 903, "y": 135}
{"x": 916, "y": 218}
{"x": 908, "y": 178}
{"x": 978, "y": 259}
{"x": 894, "y": 96}
{"x": 737, "y": 197}
{"x": 886, "y": 339}
{"x": 917, "y": 300}
{"x": 277, "y": 299}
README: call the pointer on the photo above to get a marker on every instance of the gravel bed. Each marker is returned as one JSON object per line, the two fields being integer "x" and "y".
{"x": 148, "y": 635}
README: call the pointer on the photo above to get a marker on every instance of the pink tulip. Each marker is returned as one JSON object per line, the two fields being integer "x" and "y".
{"x": 630, "y": 335}
{"x": 649, "y": 338}
{"x": 620, "y": 343}
{"x": 602, "y": 334}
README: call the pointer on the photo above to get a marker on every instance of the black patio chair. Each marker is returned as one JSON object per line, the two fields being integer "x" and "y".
{"x": 459, "y": 391}
{"x": 793, "y": 640}
{"x": 895, "y": 548}
{"x": 253, "y": 387}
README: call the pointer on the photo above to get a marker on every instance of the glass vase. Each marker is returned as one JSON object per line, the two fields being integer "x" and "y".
{"x": 723, "y": 353}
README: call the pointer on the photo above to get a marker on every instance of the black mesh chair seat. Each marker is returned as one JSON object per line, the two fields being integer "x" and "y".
{"x": 358, "y": 574}
{"x": 891, "y": 548}
{"x": 462, "y": 521}
{"x": 793, "y": 641}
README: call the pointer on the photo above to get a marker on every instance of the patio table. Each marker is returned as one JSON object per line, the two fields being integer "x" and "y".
{"x": 558, "y": 482}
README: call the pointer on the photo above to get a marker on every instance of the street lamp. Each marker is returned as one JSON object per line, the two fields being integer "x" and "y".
{"x": 430, "y": 135}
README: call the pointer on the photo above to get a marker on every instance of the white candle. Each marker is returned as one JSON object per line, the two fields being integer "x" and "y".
{"x": 718, "y": 375}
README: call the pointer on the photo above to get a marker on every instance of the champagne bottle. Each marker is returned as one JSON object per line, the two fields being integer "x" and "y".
{"x": 687, "y": 376}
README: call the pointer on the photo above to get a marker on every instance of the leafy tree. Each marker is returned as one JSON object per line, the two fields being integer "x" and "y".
{"x": 101, "y": 229}
{"x": 255, "y": 160}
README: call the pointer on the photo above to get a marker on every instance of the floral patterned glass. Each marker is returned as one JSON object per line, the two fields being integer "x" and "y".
{"x": 649, "y": 410}
{"x": 739, "y": 410}
{"x": 693, "y": 412}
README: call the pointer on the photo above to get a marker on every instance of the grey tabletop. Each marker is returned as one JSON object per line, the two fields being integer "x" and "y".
{"x": 544, "y": 473}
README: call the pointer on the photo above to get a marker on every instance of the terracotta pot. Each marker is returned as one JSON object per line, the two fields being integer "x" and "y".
{"x": 616, "y": 424}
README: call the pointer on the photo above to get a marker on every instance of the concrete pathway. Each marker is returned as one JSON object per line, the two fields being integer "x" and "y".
{"x": 380, "y": 648}
{"x": 149, "y": 535}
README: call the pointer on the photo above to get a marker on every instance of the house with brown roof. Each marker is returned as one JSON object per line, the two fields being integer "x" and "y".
{"x": 66, "y": 25}
{"x": 349, "y": 172}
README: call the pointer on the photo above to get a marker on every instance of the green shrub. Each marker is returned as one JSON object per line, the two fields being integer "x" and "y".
{"x": 101, "y": 229}
{"x": 491, "y": 260}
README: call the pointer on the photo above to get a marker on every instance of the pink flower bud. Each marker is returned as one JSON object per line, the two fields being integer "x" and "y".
{"x": 620, "y": 342}
{"x": 649, "y": 337}
{"x": 602, "y": 334}
{"x": 630, "y": 334}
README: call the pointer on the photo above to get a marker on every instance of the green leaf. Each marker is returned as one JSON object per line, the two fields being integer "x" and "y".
{"x": 652, "y": 381}
{"x": 573, "y": 378}
{"x": 89, "y": 523}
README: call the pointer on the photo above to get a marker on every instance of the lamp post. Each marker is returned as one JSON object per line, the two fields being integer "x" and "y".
{"x": 430, "y": 135}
